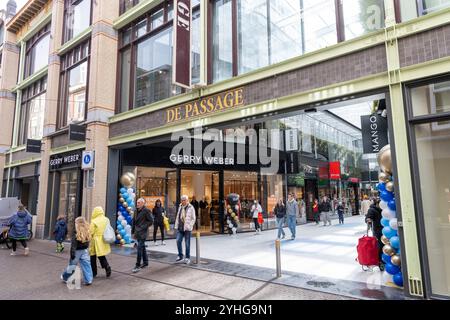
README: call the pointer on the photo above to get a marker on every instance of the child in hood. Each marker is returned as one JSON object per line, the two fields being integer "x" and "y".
{"x": 60, "y": 233}
{"x": 19, "y": 229}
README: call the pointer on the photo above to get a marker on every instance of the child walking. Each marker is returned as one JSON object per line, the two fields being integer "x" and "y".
{"x": 19, "y": 229}
{"x": 60, "y": 233}
{"x": 340, "y": 211}
{"x": 79, "y": 252}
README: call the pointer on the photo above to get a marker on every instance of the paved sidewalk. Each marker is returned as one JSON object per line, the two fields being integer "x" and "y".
{"x": 37, "y": 277}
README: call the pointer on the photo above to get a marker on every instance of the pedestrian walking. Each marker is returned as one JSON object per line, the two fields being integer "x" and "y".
{"x": 79, "y": 253}
{"x": 374, "y": 217}
{"x": 98, "y": 248}
{"x": 291, "y": 213}
{"x": 184, "y": 223}
{"x": 18, "y": 229}
{"x": 60, "y": 232}
{"x": 325, "y": 211}
{"x": 340, "y": 212}
{"x": 280, "y": 213}
{"x": 256, "y": 210}
{"x": 158, "y": 215}
{"x": 143, "y": 219}
{"x": 365, "y": 205}
{"x": 316, "y": 211}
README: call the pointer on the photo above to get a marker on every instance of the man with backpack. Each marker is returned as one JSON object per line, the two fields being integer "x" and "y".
{"x": 142, "y": 221}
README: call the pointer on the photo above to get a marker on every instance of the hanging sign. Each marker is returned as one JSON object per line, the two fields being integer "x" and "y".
{"x": 182, "y": 25}
{"x": 374, "y": 133}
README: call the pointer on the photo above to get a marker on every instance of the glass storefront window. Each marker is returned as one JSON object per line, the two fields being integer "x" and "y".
{"x": 362, "y": 16}
{"x": 319, "y": 24}
{"x": 433, "y": 158}
{"x": 431, "y": 99}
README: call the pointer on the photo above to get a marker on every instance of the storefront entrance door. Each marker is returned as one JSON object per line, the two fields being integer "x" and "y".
{"x": 68, "y": 198}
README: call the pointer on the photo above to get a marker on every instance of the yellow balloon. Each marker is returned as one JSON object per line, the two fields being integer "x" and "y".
{"x": 396, "y": 260}
{"x": 236, "y": 218}
{"x": 385, "y": 240}
{"x": 230, "y": 211}
{"x": 121, "y": 200}
{"x": 122, "y": 241}
{"x": 388, "y": 250}
{"x": 233, "y": 215}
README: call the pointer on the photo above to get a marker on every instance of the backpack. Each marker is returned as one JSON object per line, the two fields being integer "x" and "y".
{"x": 368, "y": 252}
{"x": 109, "y": 236}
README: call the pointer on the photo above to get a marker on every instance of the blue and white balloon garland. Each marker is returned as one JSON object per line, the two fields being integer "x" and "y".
{"x": 391, "y": 250}
{"x": 126, "y": 208}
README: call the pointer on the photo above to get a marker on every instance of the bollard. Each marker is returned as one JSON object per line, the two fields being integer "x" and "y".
{"x": 197, "y": 242}
{"x": 278, "y": 255}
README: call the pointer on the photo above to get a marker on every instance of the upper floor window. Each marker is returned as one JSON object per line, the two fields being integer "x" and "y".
{"x": 428, "y": 6}
{"x": 77, "y": 17}
{"x": 251, "y": 34}
{"x": 73, "y": 85}
{"x": 31, "y": 121}
{"x": 1, "y": 33}
{"x": 125, "y": 5}
{"x": 146, "y": 48}
{"x": 410, "y": 9}
{"x": 37, "y": 51}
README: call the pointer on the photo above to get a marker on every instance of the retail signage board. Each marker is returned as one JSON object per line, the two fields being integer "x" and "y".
{"x": 34, "y": 146}
{"x": 335, "y": 170}
{"x": 182, "y": 24}
{"x": 374, "y": 133}
{"x": 66, "y": 160}
{"x": 77, "y": 132}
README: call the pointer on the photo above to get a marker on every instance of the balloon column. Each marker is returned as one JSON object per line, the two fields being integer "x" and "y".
{"x": 232, "y": 215}
{"x": 391, "y": 250}
{"x": 126, "y": 207}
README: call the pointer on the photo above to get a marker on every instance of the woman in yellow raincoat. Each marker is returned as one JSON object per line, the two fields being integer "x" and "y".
{"x": 98, "y": 247}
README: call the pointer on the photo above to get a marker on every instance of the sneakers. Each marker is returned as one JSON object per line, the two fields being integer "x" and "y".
{"x": 284, "y": 236}
{"x": 27, "y": 251}
{"x": 187, "y": 261}
{"x": 136, "y": 269}
{"x": 144, "y": 266}
{"x": 179, "y": 259}
{"x": 62, "y": 279}
{"x": 13, "y": 253}
{"x": 163, "y": 243}
{"x": 156, "y": 244}
{"x": 108, "y": 271}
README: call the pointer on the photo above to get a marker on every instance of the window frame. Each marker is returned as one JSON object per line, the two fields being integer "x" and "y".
{"x": 67, "y": 65}
{"x": 122, "y": 9}
{"x": 132, "y": 45}
{"x": 30, "y": 45}
{"x": 31, "y": 92}
{"x": 70, "y": 4}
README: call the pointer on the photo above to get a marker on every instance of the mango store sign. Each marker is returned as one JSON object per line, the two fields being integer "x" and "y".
{"x": 206, "y": 106}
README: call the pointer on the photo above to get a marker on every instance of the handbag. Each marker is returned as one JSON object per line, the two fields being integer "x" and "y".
{"x": 166, "y": 223}
{"x": 109, "y": 236}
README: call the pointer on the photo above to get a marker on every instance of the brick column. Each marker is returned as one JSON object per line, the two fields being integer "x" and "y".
{"x": 102, "y": 95}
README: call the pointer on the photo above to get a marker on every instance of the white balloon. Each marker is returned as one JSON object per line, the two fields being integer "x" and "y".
{"x": 236, "y": 207}
{"x": 128, "y": 228}
{"x": 130, "y": 191}
{"x": 393, "y": 224}
{"x": 386, "y": 278}
{"x": 234, "y": 230}
{"x": 124, "y": 223}
{"x": 133, "y": 195}
{"x": 230, "y": 225}
{"x": 383, "y": 205}
{"x": 120, "y": 218}
{"x": 387, "y": 214}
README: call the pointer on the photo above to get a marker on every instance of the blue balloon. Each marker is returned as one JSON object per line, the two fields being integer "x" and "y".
{"x": 398, "y": 279}
{"x": 381, "y": 186}
{"x": 389, "y": 233}
{"x": 385, "y": 222}
{"x": 395, "y": 242}
{"x": 385, "y": 258}
{"x": 119, "y": 227}
{"x": 386, "y": 196}
{"x": 123, "y": 233}
{"x": 123, "y": 190}
{"x": 130, "y": 201}
{"x": 392, "y": 205}
{"x": 391, "y": 269}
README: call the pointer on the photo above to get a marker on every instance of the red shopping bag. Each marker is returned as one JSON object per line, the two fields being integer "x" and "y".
{"x": 260, "y": 218}
{"x": 368, "y": 251}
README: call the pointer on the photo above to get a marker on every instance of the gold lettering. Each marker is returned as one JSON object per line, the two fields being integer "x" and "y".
{"x": 210, "y": 105}
{"x": 228, "y": 100}
{"x": 195, "y": 113}
{"x": 239, "y": 95}
{"x": 219, "y": 103}
{"x": 203, "y": 106}
{"x": 177, "y": 114}
{"x": 170, "y": 115}
{"x": 188, "y": 109}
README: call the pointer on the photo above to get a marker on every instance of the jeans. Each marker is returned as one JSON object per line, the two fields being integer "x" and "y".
{"x": 280, "y": 224}
{"x": 159, "y": 225}
{"x": 186, "y": 235}
{"x": 326, "y": 218}
{"x": 292, "y": 224}
{"x": 82, "y": 257}
{"x": 141, "y": 253}
{"x": 341, "y": 217}
{"x": 257, "y": 226}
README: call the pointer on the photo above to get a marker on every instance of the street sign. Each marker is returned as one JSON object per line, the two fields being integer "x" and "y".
{"x": 87, "y": 162}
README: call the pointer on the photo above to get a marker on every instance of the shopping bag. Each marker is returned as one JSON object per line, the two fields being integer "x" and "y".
{"x": 260, "y": 218}
{"x": 109, "y": 236}
{"x": 166, "y": 223}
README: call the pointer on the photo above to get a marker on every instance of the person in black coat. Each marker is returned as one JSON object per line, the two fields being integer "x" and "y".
{"x": 158, "y": 216}
{"x": 143, "y": 219}
{"x": 374, "y": 217}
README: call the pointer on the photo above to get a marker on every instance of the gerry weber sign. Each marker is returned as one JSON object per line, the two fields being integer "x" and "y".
{"x": 374, "y": 132}
{"x": 66, "y": 160}
{"x": 185, "y": 159}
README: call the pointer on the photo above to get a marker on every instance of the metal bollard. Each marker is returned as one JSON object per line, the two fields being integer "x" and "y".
{"x": 278, "y": 254}
{"x": 197, "y": 242}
